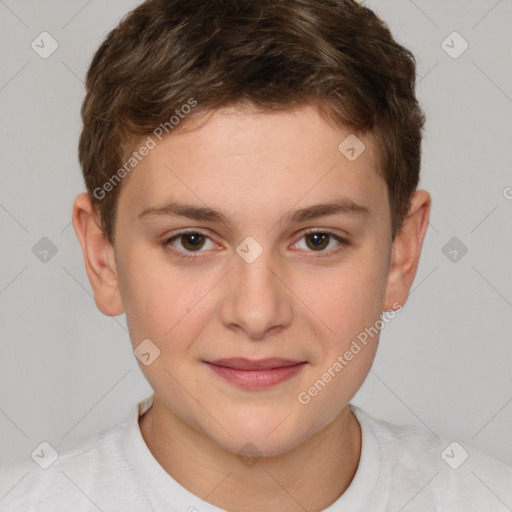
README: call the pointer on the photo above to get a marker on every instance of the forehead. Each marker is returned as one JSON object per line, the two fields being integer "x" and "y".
{"x": 257, "y": 163}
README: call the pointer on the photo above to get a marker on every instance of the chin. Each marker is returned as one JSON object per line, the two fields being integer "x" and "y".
{"x": 259, "y": 435}
{"x": 243, "y": 446}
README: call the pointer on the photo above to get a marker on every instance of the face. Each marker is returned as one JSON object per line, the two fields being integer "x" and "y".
{"x": 260, "y": 274}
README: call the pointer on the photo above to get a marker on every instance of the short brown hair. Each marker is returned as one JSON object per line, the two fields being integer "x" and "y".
{"x": 273, "y": 54}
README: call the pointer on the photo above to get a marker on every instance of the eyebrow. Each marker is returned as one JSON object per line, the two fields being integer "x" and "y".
{"x": 199, "y": 213}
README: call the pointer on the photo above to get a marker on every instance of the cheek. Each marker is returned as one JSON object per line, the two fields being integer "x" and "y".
{"x": 168, "y": 305}
{"x": 350, "y": 297}
{"x": 154, "y": 297}
{"x": 349, "y": 304}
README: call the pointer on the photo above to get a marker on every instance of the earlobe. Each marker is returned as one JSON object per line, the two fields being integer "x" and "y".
{"x": 406, "y": 250}
{"x": 98, "y": 256}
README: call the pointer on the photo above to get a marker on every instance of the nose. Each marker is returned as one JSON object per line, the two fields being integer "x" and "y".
{"x": 256, "y": 300}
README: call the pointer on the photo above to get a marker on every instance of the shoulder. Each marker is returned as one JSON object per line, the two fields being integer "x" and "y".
{"x": 74, "y": 475}
{"x": 432, "y": 470}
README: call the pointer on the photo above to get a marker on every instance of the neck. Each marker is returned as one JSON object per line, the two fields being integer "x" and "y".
{"x": 312, "y": 476}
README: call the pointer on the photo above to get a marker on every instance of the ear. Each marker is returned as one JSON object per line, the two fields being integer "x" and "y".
{"x": 406, "y": 251}
{"x": 99, "y": 256}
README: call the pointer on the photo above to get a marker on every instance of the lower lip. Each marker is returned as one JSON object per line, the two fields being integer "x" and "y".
{"x": 257, "y": 379}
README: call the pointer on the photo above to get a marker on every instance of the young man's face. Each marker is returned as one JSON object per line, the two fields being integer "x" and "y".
{"x": 259, "y": 287}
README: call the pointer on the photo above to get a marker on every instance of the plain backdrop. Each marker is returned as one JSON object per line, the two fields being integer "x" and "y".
{"x": 444, "y": 362}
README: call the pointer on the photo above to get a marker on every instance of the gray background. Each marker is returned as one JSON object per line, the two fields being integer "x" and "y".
{"x": 444, "y": 363}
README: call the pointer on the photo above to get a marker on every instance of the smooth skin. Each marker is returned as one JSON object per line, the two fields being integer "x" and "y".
{"x": 300, "y": 299}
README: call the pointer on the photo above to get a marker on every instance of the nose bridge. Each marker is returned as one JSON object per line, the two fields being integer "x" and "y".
{"x": 256, "y": 300}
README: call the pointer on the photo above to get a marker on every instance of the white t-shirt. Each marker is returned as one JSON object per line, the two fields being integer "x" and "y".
{"x": 402, "y": 468}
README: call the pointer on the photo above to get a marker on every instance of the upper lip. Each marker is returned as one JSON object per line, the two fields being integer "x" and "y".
{"x": 240, "y": 363}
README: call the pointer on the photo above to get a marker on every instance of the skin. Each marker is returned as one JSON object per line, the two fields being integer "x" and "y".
{"x": 295, "y": 300}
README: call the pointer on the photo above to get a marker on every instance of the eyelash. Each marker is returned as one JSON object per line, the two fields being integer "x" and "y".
{"x": 167, "y": 242}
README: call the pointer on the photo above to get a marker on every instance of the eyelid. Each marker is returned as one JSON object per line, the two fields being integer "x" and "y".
{"x": 327, "y": 231}
{"x": 169, "y": 238}
{"x": 342, "y": 240}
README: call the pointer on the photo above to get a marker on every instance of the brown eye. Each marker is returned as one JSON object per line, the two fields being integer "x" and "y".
{"x": 192, "y": 241}
{"x": 186, "y": 243}
{"x": 317, "y": 240}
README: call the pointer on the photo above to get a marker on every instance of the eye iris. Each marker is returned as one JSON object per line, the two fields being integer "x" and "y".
{"x": 318, "y": 237}
{"x": 195, "y": 238}
{"x": 195, "y": 241}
